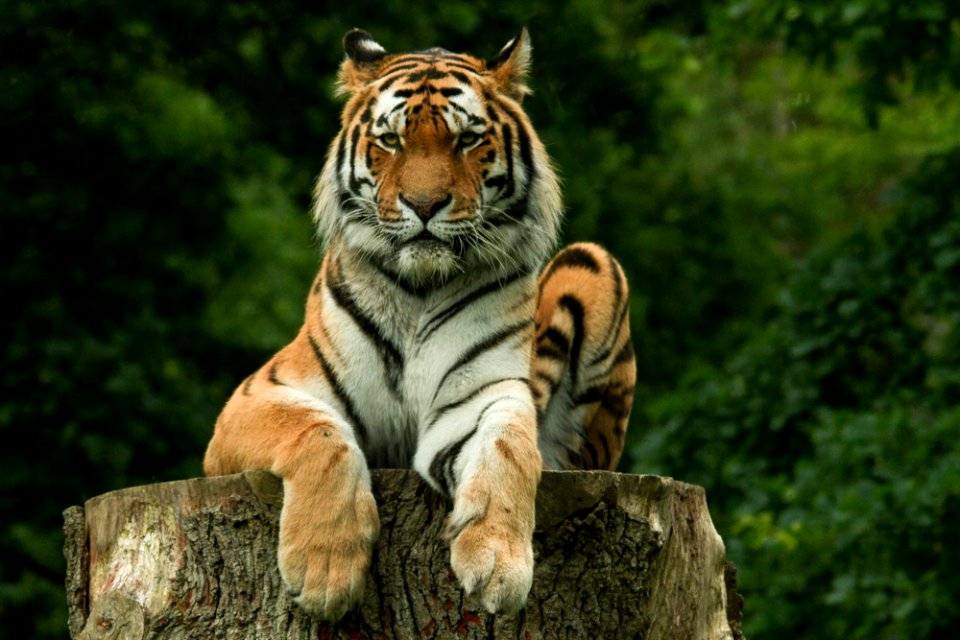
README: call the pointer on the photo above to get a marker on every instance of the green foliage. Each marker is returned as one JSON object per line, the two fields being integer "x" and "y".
{"x": 890, "y": 40}
{"x": 118, "y": 177}
{"x": 757, "y": 164}
{"x": 828, "y": 445}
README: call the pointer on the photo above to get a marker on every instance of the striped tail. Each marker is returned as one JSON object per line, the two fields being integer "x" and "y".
{"x": 583, "y": 369}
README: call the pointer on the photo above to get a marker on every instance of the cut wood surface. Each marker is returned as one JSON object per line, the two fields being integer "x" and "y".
{"x": 617, "y": 556}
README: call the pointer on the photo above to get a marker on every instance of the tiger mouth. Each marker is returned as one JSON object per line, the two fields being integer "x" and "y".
{"x": 426, "y": 240}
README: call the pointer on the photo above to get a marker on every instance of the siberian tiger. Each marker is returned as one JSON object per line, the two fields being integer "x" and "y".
{"x": 434, "y": 335}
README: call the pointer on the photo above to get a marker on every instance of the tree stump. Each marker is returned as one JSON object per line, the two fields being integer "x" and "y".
{"x": 617, "y": 556}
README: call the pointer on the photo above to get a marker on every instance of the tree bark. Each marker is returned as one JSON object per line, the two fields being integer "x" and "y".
{"x": 617, "y": 556}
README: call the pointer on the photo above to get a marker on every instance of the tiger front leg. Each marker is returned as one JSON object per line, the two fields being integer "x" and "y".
{"x": 491, "y": 525}
{"x": 492, "y": 472}
{"x": 329, "y": 520}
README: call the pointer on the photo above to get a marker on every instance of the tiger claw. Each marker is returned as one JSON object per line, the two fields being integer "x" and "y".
{"x": 497, "y": 570}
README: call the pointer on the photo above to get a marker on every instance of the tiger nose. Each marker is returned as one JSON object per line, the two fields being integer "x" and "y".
{"x": 426, "y": 206}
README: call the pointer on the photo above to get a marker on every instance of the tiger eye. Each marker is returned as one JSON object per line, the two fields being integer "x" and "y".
{"x": 468, "y": 138}
{"x": 389, "y": 139}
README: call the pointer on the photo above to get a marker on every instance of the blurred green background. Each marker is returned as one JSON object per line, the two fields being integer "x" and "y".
{"x": 781, "y": 180}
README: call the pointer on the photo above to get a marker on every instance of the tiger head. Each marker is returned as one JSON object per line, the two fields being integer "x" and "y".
{"x": 437, "y": 170}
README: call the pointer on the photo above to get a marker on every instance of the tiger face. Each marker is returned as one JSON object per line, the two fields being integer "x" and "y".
{"x": 437, "y": 170}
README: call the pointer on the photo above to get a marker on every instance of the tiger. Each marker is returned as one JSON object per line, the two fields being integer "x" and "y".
{"x": 441, "y": 333}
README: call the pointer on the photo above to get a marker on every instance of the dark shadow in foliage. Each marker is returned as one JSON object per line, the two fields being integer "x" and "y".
{"x": 828, "y": 445}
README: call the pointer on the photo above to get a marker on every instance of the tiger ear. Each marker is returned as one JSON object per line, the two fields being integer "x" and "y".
{"x": 364, "y": 55}
{"x": 511, "y": 65}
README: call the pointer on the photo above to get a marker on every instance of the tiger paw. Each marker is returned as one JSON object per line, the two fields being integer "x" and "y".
{"x": 324, "y": 555}
{"x": 492, "y": 561}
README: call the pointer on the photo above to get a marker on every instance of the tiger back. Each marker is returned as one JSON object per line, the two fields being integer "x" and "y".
{"x": 433, "y": 337}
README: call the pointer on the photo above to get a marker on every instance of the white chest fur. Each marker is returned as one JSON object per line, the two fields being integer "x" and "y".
{"x": 403, "y": 355}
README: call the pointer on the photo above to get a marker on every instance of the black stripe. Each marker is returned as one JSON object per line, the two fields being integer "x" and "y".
{"x": 400, "y": 66}
{"x": 606, "y": 449}
{"x": 508, "y": 150}
{"x": 358, "y": 427}
{"x": 483, "y": 412}
{"x": 273, "y": 375}
{"x": 526, "y": 152}
{"x": 496, "y": 182}
{"x": 536, "y": 394}
{"x": 430, "y": 73}
{"x": 574, "y": 458}
{"x": 617, "y": 401}
{"x": 349, "y": 115}
{"x": 458, "y": 109}
{"x": 442, "y": 464}
{"x": 407, "y": 93}
{"x": 573, "y": 306}
{"x": 447, "y": 314}
{"x": 389, "y": 353}
{"x": 461, "y": 77}
{"x": 550, "y": 382}
{"x": 613, "y": 398}
{"x": 479, "y": 348}
{"x": 471, "y": 119}
{"x": 616, "y": 320}
{"x": 591, "y": 395}
{"x": 395, "y": 279}
{"x": 556, "y": 336}
{"x": 618, "y": 278}
{"x": 462, "y": 67}
{"x": 247, "y": 383}
{"x": 341, "y": 150}
{"x": 354, "y": 181}
{"x": 617, "y": 323}
{"x": 456, "y": 404}
{"x": 390, "y": 81}
{"x": 513, "y": 215}
{"x": 367, "y": 111}
{"x": 460, "y": 57}
{"x": 576, "y": 257}
{"x": 369, "y": 159}
{"x": 591, "y": 452}
{"x": 347, "y": 202}
{"x": 526, "y": 149}
{"x": 407, "y": 61}
{"x": 550, "y": 352}
{"x": 451, "y": 455}
{"x": 625, "y": 354}
{"x": 573, "y": 257}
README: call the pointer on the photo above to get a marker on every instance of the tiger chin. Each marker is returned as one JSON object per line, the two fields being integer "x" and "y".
{"x": 441, "y": 333}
